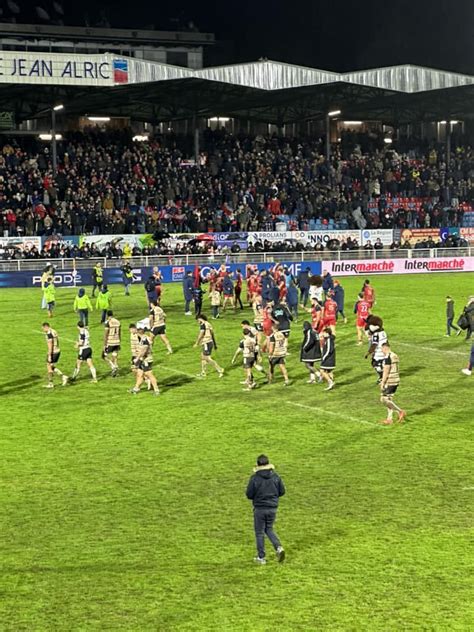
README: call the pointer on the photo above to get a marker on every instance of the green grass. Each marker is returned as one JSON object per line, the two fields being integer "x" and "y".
{"x": 121, "y": 512}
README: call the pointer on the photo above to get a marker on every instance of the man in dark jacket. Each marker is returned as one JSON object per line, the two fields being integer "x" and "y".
{"x": 328, "y": 283}
{"x": 188, "y": 285}
{"x": 264, "y": 489}
{"x": 303, "y": 284}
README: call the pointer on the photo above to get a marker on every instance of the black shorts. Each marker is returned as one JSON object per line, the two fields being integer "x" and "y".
{"x": 85, "y": 354}
{"x": 377, "y": 364}
{"x": 327, "y": 368}
{"x": 133, "y": 361}
{"x": 51, "y": 305}
{"x": 249, "y": 363}
{"x": 54, "y": 358}
{"x": 390, "y": 390}
{"x": 275, "y": 361}
{"x": 159, "y": 331}
{"x": 207, "y": 348}
{"x": 145, "y": 366}
{"x": 112, "y": 349}
{"x": 258, "y": 326}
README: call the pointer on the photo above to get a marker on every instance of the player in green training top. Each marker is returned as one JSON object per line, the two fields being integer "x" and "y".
{"x": 49, "y": 297}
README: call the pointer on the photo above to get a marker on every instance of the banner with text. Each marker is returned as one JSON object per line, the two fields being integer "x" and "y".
{"x": 399, "y": 266}
{"x": 20, "y": 243}
{"x": 170, "y": 274}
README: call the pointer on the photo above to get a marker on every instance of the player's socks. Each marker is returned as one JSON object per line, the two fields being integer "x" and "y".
{"x": 75, "y": 373}
{"x": 58, "y": 372}
{"x": 170, "y": 350}
{"x": 93, "y": 373}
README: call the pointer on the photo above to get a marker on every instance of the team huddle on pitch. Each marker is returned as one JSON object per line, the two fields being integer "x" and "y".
{"x": 274, "y": 295}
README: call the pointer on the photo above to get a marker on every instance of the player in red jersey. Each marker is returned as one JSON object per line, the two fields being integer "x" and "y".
{"x": 252, "y": 286}
{"x": 329, "y": 313}
{"x": 282, "y": 289}
{"x": 316, "y": 312}
{"x": 267, "y": 324}
{"x": 369, "y": 293}
{"x": 362, "y": 309}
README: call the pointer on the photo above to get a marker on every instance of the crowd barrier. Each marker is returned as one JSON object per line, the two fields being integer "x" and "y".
{"x": 69, "y": 276}
{"x": 242, "y": 239}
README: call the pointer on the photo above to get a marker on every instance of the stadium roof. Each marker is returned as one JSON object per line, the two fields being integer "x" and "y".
{"x": 269, "y": 91}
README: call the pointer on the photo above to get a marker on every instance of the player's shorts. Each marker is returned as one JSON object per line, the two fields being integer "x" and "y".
{"x": 145, "y": 366}
{"x": 249, "y": 362}
{"x": 50, "y": 305}
{"x": 361, "y": 322}
{"x": 377, "y": 364}
{"x": 228, "y": 295}
{"x": 390, "y": 390}
{"x": 159, "y": 331}
{"x": 112, "y": 349}
{"x": 133, "y": 361}
{"x": 54, "y": 358}
{"x": 329, "y": 322}
{"x": 207, "y": 348}
{"x": 275, "y": 361}
{"x": 85, "y": 354}
{"x": 258, "y": 326}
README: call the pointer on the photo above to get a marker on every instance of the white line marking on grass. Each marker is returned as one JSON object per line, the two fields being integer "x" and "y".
{"x": 468, "y": 489}
{"x": 414, "y": 345}
{"x": 329, "y": 412}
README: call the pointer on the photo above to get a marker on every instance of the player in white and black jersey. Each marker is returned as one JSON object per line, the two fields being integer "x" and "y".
{"x": 377, "y": 338}
{"x": 84, "y": 352}
{"x": 245, "y": 324}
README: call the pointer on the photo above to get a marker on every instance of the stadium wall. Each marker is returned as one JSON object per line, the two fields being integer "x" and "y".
{"x": 171, "y": 274}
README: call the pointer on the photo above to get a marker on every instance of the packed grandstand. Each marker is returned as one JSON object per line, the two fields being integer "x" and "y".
{"x": 107, "y": 183}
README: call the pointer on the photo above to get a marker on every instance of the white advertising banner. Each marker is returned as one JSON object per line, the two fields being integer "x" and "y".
{"x": 306, "y": 237}
{"x": 63, "y": 69}
{"x": 101, "y": 241}
{"x": 385, "y": 236}
{"x": 364, "y": 267}
{"x": 20, "y": 243}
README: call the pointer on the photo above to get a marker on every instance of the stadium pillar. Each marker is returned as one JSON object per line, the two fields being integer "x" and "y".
{"x": 448, "y": 142}
{"x": 54, "y": 149}
{"x": 196, "y": 139}
{"x": 328, "y": 139}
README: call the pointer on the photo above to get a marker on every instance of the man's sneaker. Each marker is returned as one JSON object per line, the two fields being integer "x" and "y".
{"x": 64, "y": 380}
{"x": 360, "y": 343}
{"x": 260, "y": 560}
{"x": 156, "y": 393}
{"x": 467, "y": 371}
{"x": 133, "y": 391}
{"x": 49, "y": 385}
{"x": 244, "y": 383}
{"x": 401, "y": 416}
{"x": 259, "y": 368}
{"x": 447, "y": 335}
{"x": 114, "y": 372}
{"x": 188, "y": 313}
{"x": 386, "y": 422}
{"x": 311, "y": 381}
{"x": 170, "y": 351}
{"x": 201, "y": 374}
{"x": 94, "y": 380}
{"x": 280, "y": 553}
{"x": 221, "y": 373}
{"x": 286, "y": 383}
{"x": 330, "y": 386}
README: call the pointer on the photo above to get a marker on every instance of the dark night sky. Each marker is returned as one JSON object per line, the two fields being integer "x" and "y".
{"x": 330, "y": 35}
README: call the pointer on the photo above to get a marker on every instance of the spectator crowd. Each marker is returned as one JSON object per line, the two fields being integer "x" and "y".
{"x": 108, "y": 184}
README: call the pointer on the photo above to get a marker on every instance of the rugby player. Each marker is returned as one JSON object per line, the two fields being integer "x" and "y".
{"x": 249, "y": 348}
{"x": 328, "y": 358}
{"x": 84, "y": 352}
{"x": 389, "y": 384}
{"x": 54, "y": 353}
{"x": 310, "y": 351}
{"x": 362, "y": 309}
{"x": 369, "y": 293}
{"x": 378, "y": 337}
{"x": 207, "y": 341}
{"x": 158, "y": 325}
{"x": 112, "y": 342}
{"x": 277, "y": 351}
{"x": 144, "y": 362}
